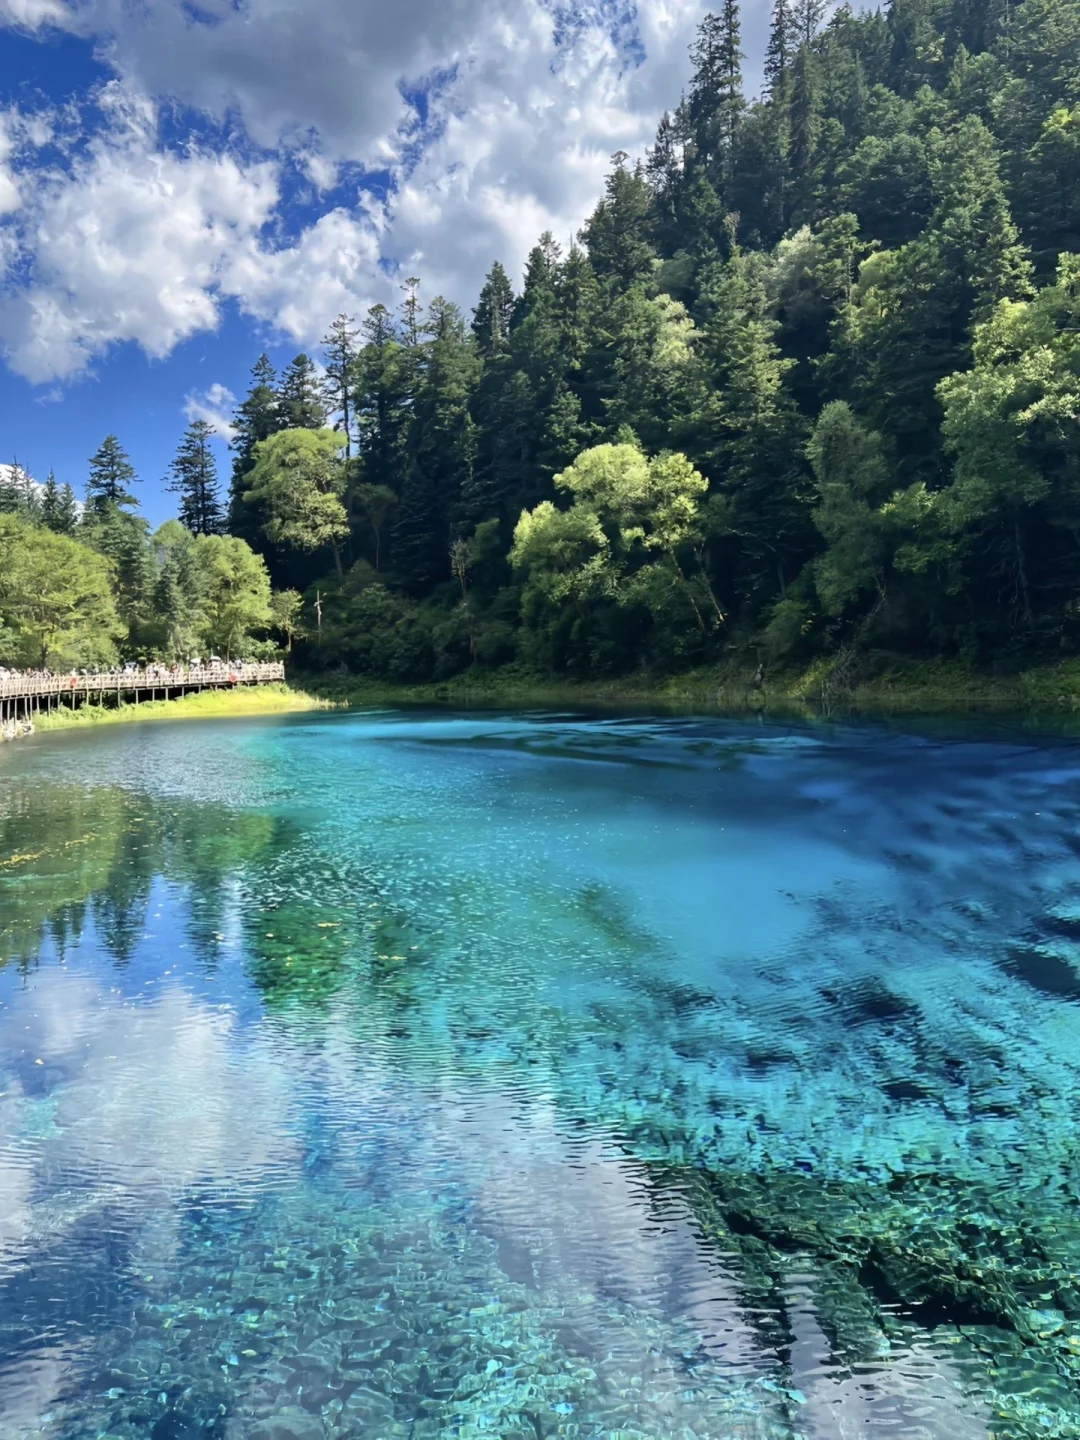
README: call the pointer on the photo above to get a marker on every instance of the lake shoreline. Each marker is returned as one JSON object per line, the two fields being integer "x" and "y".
{"x": 283, "y": 699}
{"x": 896, "y": 687}
{"x": 937, "y": 688}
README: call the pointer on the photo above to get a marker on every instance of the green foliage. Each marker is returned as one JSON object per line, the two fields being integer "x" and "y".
{"x": 194, "y": 479}
{"x": 257, "y": 417}
{"x": 124, "y": 540}
{"x": 808, "y": 383}
{"x": 297, "y": 481}
{"x": 852, "y": 476}
{"x": 234, "y": 594}
{"x": 111, "y": 472}
{"x": 56, "y": 598}
{"x": 59, "y": 508}
{"x": 286, "y": 615}
{"x": 630, "y": 543}
{"x": 301, "y": 398}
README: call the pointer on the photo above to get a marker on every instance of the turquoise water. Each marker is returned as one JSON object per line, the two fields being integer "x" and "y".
{"x": 427, "y": 1075}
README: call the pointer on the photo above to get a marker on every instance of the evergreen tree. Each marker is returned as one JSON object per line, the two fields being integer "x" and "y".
{"x": 777, "y": 122}
{"x": 50, "y": 503}
{"x": 494, "y": 312}
{"x": 59, "y": 508}
{"x": 618, "y": 233}
{"x": 828, "y": 302}
{"x": 715, "y": 103}
{"x": 257, "y": 418}
{"x": 664, "y": 173}
{"x": 67, "y": 511}
{"x": 381, "y": 403}
{"x": 111, "y": 472}
{"x": 124, "y": 539}
{"x": 442, "y": 450}
{"x": 339, "y": 346}
{"x": 749, "y": 437}
{"x": 411, "y": 312}
{"x": 805, "y": 125}
{"x": 300, "y": 397}
{"x": 18, "y": 494}
{"x": 806, "y": 16}
{"x": 194, "y": 479}
{"x": 780, "y": 50}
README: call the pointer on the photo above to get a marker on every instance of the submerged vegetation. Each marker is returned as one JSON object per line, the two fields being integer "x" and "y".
{"x": 802, "y": 395}
{"x": 878, "y": 1160}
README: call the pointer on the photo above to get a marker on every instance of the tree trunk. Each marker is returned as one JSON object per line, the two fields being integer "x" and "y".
{"x": 1021, "y": 574}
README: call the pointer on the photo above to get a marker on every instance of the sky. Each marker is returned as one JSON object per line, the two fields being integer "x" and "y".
{"x": 185, "y": 183}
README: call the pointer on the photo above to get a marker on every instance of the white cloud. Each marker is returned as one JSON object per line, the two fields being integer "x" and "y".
{"x": 34, "y": 14}
{"x": 132, "y": 240}
{"x": 127, "y": 244}
{"x": 215, "y": 406}
{"x": 298, "y": 288}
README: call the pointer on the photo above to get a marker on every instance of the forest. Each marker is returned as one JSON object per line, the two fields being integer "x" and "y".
{"x": 806, "y": 385}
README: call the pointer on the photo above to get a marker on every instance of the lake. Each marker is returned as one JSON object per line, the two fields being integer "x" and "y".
{"x": 516, "y": 1075}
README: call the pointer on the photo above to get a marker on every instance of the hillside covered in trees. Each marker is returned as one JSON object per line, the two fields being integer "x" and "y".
{"x": 807, "y": 383}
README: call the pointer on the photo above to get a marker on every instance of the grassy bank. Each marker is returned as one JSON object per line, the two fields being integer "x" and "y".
{"x": 882, "y": 685}
{"x": 205, "y": 705}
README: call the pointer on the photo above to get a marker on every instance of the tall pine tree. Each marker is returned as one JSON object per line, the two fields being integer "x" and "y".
{"x": 300, "y": 397}
{"x": 195, "y": 480}
{"x": 111, "y": 472}
{"x": 494, "y": 313}
{"x": 257, "y": 417}
{"x": 339, "y": 347}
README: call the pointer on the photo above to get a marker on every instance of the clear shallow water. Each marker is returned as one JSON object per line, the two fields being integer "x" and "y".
{"x": 400, "y": 1075}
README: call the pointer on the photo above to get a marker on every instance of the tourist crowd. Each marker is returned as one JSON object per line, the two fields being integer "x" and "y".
{"x": 153, "y": 673}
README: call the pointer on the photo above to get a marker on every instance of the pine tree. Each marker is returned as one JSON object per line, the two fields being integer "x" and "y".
{"x": 11, "y": 496}
{"x": 805, "y": 132}
{"x": 124, "y": 538}
{"x": 257, "y": 418}
{"x": 411, "y": 312}
{"x": 780, "y": 50}
{"x": 807, "y": 16}
{"x": 67, "y": 514}
{"x": 59, "y": 508}
{"x": 442, "y": 445}
{"x": 381, "y": 405}
{"x": 300, "y": 398}
{"x": 618, "y": 232}
{"x": 664, "y": 173}
{"x": 111, "y": 472}
{"x": 50, "y": 501}
{"x": 494, "y": 312}
{"x": 340, "y": 349}
{"x": 750, "y": 435}
{"x": 778, "y": 59}
{"x": 194, "y": 479}
{"x": 716, "y": 104}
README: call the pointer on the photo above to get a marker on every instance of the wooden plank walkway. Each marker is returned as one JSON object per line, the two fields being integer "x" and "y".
{"x": 25, "y": 693}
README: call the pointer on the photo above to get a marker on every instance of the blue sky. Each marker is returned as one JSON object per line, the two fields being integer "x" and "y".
{"x": 188, "y": 182}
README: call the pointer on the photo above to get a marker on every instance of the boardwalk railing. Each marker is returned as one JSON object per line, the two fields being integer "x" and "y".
{"x": 147, "y": 679}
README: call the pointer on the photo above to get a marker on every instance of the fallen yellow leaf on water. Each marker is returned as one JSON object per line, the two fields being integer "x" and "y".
{"x": 20, "y": 859}
{"x": 249, "y": 1353}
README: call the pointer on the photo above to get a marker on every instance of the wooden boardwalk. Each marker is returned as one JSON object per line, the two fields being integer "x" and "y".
{"x": 23, "y": 696}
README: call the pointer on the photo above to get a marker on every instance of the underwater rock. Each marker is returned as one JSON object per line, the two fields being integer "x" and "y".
{"x": 285, "y": 1426}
